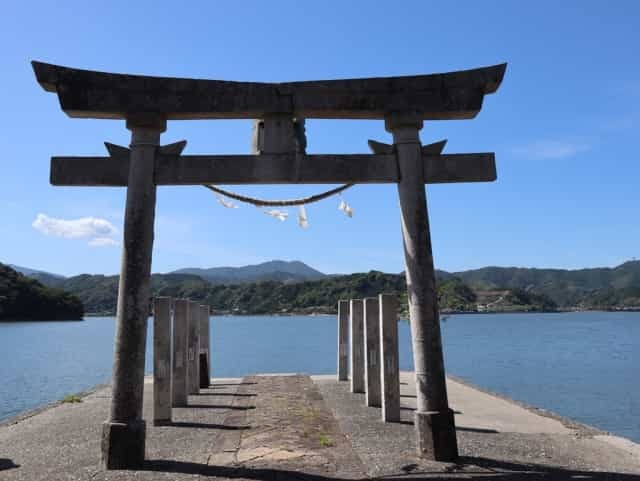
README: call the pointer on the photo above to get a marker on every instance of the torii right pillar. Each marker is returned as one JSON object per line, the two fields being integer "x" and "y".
{"x": 434, "y": 421}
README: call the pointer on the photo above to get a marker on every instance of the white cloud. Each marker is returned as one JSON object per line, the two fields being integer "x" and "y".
{"x": 102, "y": 242}
{"x": 100, "y": 231}
{"x": 551, "y": 149}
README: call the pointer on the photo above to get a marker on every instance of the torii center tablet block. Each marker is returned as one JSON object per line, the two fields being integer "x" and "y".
{"x": 279, "y": 146}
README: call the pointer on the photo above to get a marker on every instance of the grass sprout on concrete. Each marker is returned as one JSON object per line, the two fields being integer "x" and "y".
{"x": 325, "y": 441}
{"x": 72, "y": 399}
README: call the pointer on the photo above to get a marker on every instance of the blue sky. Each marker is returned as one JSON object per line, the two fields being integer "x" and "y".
{"x": 564, "y": 126}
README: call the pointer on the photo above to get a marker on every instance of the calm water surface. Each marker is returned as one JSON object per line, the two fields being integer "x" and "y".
{"x": 582, "y": 365}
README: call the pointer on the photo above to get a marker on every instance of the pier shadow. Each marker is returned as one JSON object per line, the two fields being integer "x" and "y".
{"x": 7, "y": 464}
{"x": 221, "y": 406}
{"x": 407, "y": 408}
{"x": 223, "y": 427}
{"x": 492, "y": 470}
{"x": 506, "y": 470}
{"x": 224, "y": 394}
{"x": 476, "y": 430}
{"x": 459, "y": 428}
{"x": 232, "y": 384}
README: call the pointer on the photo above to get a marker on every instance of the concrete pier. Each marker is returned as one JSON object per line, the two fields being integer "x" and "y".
{"x": 193, "y": 348}
{"x": 123, "y": 435}
{"x": 205, "y": 348}
{"x": 372, "y": 352}
{"x": 389, "y": 365}
{"x": 343, "y": 340}
{"x": 180, "y": 327}
{"x": 356, "y": 334}
{"x": 322, "y": 433}
{"x": 162, "y": 360}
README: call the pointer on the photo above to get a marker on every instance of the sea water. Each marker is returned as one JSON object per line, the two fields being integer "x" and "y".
{"x": 583, "y": 365}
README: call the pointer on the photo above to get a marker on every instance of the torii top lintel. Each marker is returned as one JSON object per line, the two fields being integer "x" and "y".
{"x": 445, "y": 96}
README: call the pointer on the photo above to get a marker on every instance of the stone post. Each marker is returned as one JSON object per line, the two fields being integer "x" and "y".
{"x": 343, "y": 340}
{"x": 180, "y": 325}
{"x": 435, "y": 427}
{"x": 162, "y": 360}
{"x": 372, "y": 352}
{"x": 204, "y": 359}
{"x": 389, "y": 363}
{"x": 193, "y": 349}
{"x": 356, "y": 331}
{"x": 123, "y": 435}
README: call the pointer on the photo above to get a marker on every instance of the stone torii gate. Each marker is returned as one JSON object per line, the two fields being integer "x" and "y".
{"x": 146, "y": 103}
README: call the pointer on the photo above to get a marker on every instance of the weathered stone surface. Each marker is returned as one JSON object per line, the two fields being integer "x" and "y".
{"x": 175, "y": 148}
{"x": 89, "y": 94}
{"x": 273, "y": 169}
{"x": 434, "y": 148}
{"x": 436, "y": 435}
{"x": 162, "y": 360}
{"x": 356, "y": 335}
{"x": 123, "y": 444}
{"x": 278, "y": 134}
{"x": 180, "y": 328}
{"x": 372, "y": 352}
{"x": 193, "y": 348}
{"x": 133, "y": 292}
{"x": 389, "y": 364}
{"x": 343, "y": 340}
{"x": 380, "y": 148}
{"x": 286, "y": 427}
{"x": 422, "y": 296}
{"x": 429, "y": 149}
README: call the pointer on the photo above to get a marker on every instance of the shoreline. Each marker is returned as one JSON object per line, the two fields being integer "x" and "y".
{"x": 325, "y": 314}
{"x": 29, "y": 413}
{"x": 570, "y": 423}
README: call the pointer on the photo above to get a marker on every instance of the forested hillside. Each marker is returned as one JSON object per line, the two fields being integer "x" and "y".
{"x": 23, "y": 298}
{"x": 99, "y": 293}
{"x": 490, "y": 289}
{"x": 602, "y": 287}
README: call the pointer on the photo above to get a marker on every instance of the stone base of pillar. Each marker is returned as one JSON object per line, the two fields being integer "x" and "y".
{"x": 436, "y": 435}
{"x": 123, "y": 444}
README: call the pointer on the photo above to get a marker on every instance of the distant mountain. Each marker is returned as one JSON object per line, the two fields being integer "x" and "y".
{"x": 30, "y": 272}
{"x": 283, "y": 271}
{"x": 47, "y": 278}
{"x": 565, "y": 287}
{"x": 279, "y": 286}
{"x": 24, "y": 298}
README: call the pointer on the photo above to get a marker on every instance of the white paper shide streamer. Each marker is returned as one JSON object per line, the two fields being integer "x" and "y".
{"x": 227, "y": 203}
{"x": 281, "y": 215}
{"x": 346, "y": 208}
{"x": 303, "y": 220}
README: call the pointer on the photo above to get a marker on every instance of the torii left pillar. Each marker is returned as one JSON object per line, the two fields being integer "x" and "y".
{"x": 123, "y": 435}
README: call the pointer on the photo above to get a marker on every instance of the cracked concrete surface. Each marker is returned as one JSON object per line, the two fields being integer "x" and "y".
{"x": 295, "y": 427}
